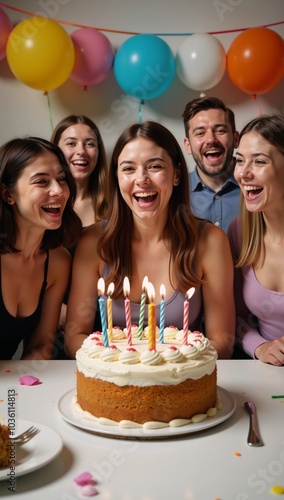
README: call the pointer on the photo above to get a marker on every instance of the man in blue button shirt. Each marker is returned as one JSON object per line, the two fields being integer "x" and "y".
{"x": 211, "y": 138}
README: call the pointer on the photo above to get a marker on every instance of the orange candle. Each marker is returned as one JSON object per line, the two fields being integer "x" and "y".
{"x": 151, "y": 317}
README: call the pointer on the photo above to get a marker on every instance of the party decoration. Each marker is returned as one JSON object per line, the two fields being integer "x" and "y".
{"x": 144, "y": 66}
{"x": 201, "y": 61}
{"x": 110, "y": 291}
{"x": 151, "y": 317}
{"x": 29, "y": 380}
{"x": 188, "y": 295}
{"x": 126, "y": 291}
{"x": 142, "y": 307}
{"x": 94, "y": 57}
{"x": 5, "y": 30}
{"x": 255, "y": 60}
{"x": 40, "y": 53}
{"x": 162, "y": 313}
{"x": 101, "y": 291}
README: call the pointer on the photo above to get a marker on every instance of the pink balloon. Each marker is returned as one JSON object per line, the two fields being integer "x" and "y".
{"x": 94, "y": 57}
{"x": 5, "y": 30}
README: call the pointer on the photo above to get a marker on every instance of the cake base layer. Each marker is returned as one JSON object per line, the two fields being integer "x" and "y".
{"x": 161, "y": 403}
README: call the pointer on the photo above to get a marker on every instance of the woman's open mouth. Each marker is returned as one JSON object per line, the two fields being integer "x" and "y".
{"x": 52, "y": 209}
{"x": 145, "y": 198}
{"x": 252, "y": 192}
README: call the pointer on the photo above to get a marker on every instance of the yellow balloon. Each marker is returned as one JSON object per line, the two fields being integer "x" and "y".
{"x": 40, "y": 53}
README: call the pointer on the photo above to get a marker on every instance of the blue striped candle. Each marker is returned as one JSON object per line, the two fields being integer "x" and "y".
{"x": 101, "y": 289}
{"x": 162, "y": 313}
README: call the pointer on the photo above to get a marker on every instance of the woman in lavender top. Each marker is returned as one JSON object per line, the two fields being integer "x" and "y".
{"x": 257, "y": 240}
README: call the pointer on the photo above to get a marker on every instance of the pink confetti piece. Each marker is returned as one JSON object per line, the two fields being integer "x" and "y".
{"x": 88, "y": 490}
{"x": 29, "y": 380}
{"x": 83, "y": 479}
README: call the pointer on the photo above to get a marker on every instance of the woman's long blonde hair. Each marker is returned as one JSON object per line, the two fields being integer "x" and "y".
{"x": 252, "y": 251}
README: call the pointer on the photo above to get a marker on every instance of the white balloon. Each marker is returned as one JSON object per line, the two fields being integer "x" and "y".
{"x": 201, "y": 61}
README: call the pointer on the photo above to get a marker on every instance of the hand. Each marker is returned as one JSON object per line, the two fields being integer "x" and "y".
{"x": 271, "y": 352}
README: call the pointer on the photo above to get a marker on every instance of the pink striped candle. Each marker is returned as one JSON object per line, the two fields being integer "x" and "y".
{"x": 126, "y": 291}
{"x": 162, "y": 313}
{"x": 188, "y": 295}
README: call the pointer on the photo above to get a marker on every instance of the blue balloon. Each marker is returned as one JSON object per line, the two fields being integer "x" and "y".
{"x": 144, "y": 66}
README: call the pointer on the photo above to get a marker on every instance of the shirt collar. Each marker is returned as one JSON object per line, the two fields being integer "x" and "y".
{"x": 195, "y": 180}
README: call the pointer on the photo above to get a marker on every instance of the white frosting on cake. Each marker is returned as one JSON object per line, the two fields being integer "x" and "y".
{"x": 170, "y": 332}
{"x": 171, "y": 363}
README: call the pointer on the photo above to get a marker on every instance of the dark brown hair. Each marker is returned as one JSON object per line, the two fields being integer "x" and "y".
{"x": 98, "y": 179}
{"x": 181, "y": 229}
{"x": 203, "y": 104}
{"x": 15, "y": 155}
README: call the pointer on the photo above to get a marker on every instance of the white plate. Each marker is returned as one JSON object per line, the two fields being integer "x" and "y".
{"x": 67, "y": 413}
{"x": 39, "y": 451}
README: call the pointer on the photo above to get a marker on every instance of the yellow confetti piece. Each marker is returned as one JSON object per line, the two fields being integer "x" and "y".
{"x": 277, "y": 490}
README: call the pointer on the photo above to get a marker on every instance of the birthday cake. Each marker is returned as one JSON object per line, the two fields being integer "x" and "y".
{"x": 130, "y": 385}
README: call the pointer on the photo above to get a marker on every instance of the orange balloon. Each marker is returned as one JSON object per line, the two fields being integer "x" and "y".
{"x": 255, "y": 60}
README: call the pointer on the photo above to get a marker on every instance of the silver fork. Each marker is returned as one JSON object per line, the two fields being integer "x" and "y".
{"x": 254, "y": 438}
{"x": 25, "y": 436}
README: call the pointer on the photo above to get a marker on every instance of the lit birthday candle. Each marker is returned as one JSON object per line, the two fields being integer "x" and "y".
{"x": 188, "y": 295}
{"x": 151, "y": 317}
{"x": 126, "y": 291}
{"x": 101, "y": 291}
{"x": 142, "y": 308}
{"x": 162, "y": 313}
{"x": 109, "y": 311}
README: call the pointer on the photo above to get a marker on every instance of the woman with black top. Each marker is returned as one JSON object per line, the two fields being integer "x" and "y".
{"x": 36, "y": 221}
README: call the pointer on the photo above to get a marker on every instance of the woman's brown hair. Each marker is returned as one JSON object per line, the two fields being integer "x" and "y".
{"x": 181, "y": 230}
{"x": 15, "y": 155}
{"x": 97, "y": 185}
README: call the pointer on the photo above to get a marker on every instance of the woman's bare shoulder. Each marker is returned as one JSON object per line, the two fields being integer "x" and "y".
{"x": 92, "y": 232}
{"x": 88, "y": 243}
{"x": 59, "y": 255}
{"x": 212, "y": 238}
{"x": 59, "y": 265}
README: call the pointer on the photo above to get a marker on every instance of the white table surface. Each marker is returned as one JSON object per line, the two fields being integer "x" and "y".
{"x": 201, "y": 466}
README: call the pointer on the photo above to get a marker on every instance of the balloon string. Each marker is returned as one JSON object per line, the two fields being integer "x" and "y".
{"x": 49, "y": 110}
{"x": 76, "y": 25}
{"x": 140, "y": 111}
{"x": 260, "y": 112}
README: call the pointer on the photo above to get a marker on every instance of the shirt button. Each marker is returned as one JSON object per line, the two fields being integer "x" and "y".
{"x": 217, "y": 223}
{"x": 216, "y": 197}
